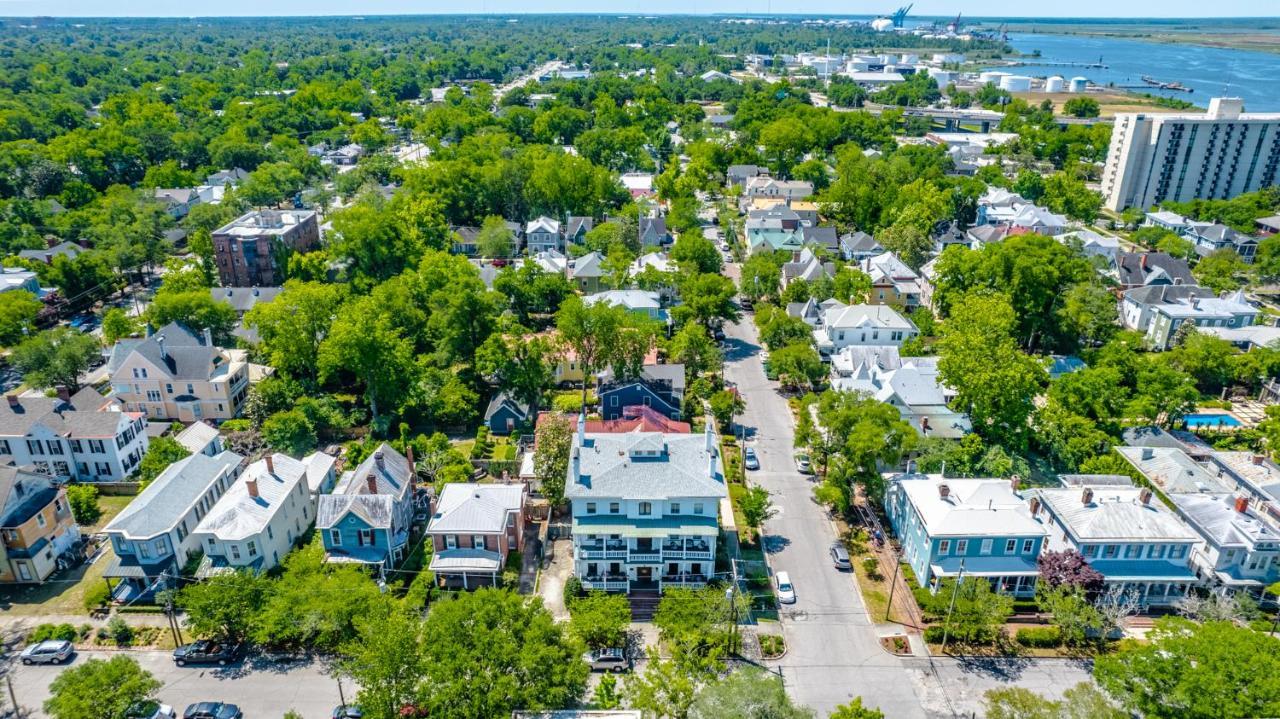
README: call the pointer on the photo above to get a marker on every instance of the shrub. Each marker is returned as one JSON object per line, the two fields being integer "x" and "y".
{"x": 96, "y": 595}
{"x": 933, "y": 635}
{"x": 480, "y": 449}
{"x": 572, "y": 590}
{"x": 236, "y": 425}
{"x": 771, "y": 646}
{"x": 511, "y": 579}
{"x": 871, "y": 566}
{"x": 44, "y": 632}
{"x": 83, "y": 499}
{"x": 119, "y": 631}
{"x": 1041, "y": 637}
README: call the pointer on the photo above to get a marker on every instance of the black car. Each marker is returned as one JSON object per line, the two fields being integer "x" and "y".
{"x": 343, "y": 711}
{"x": 212, "y": 710}
{"x": 206, "y": 652}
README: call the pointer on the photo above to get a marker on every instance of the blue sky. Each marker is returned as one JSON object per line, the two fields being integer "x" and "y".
{"x": 976, "y": 8}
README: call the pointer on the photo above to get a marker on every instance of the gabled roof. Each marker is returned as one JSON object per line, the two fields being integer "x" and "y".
{"x": 653, "y": 226}
{"x": 505, "y": 399}
{"x": 578, "y": 223}
{"x": 1115, "y": 513}
{"x": 375, "y": 510}
{"x": 243, "y": 299}
{"x": 196, "y": 437}
{"x": 859, "y": 242}
{"x": 1136, "y": 268}
{"x": 86, "y": 416}
{"x": 465, "y": 508}
{"x": 67, "y": 249}
{"x": 543, "y": 224}
{"x": 855, "y": 316}
{"x": 238, "y": 514}
{"x": 159, "y": 507}
{"x": 684, "y": 467}
{"x": 1217, "y": 518}
{"x": 588, "y": 265}
{"x": 392, "y": 475}
{"x": 22, "y": 494}
{"x": 184, "y": 355}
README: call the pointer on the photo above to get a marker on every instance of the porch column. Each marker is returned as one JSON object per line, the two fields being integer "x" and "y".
{"x": 464, "y": 581}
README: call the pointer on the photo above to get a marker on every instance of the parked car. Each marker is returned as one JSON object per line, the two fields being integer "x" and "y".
{"x": 613, "y": 659}
{"x": 749, "y": 459}
{"x": 345, "y": 711}
{"x": 803, "y": 464}
{"x": 840, "y": 557}
{"x": 786, "y": 591}
{"x": 50, "y": 651}
{"x": 148, "y": 709}
{"x": 212, "y": 710}
{"x": 206, "y": 651}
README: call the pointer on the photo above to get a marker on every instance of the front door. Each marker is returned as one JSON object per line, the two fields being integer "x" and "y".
{"x": 644, "y": 574}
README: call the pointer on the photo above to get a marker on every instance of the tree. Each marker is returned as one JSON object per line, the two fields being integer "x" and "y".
{"x": 364, "y": 343}
{"x": 292, "y": 326}
{"x": 1067, "y": 568}
{"x": 859, "y": 435}
{"x": 386, "y": 662}
{"x": 117, "y": 324}
{"x": 224, "y": 605}
{"x": 1195, "y": 671}
{"x": 493, "y": 651}
{"x": 1083, "y": 701}
{"x": 18, "y": 311}
{"x": 1075, "y": 617}
{"x": 523, "y": 365}
{"x": 725, "y": 404}
{"x": 694, "y": 348}
{"x": 970, "y": 610}
{"x": 1220, "y": 270}
{"x": 748, "y": 693}
{"x": 495, "y": 239}
{"x": 195, "y": 310}
{"x": 759, "y": 276}
{"x": 607, "y": 695}
{"x": 855, "y": 710}
{"x": 1069, "y": 196}
{"x": 797, "y": 365}
{"x": 99, "y": 689}
{"x": 161, "y": 452}
{"x": 698, "y": 621}
{"x": 756, "y": 507}
{"x": 290, "y": 432}
{"x": 706, "y": 299}
{"x": 553, "y": 443}
{"x": 600, "y": 620}
{"x": 1081, "y": 107}
{"x": 666, "y": 689}
{"x": 1089, "y": 312}
{"x": 55, "y": 358}
{"x": 995, "y": 383}
{"x": 83, "y": 499}
{"x": 591, "y": 331}
{"x": 695, "y": 253}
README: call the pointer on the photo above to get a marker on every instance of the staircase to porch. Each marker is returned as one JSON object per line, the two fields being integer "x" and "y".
{"x": 643, "y": 604}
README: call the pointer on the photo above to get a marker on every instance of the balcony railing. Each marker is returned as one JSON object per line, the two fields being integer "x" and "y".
{"x": 603, "y": 550}
{"x": 607, "y": 583}
{"x": 677, "y": 550}
{"x": 684, "y": 580}
{"x": 647, "y": 555}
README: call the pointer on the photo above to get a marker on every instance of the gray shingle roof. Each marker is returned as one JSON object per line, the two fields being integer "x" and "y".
{"x": 390, "y": 470}
{"x": 22, "y": 494}
{"x": 81, "y": 418}
{"x": 242, "y": 299}
{"x": 684, "y": 467}
{"x": 237, "y": 515}
{"x": 163, "y": 503}
{"x": 1131, "y": 270}
{"x": 196, "y": 437}
{"x": 375, "y": 509}
{"x": 185, "y": 356}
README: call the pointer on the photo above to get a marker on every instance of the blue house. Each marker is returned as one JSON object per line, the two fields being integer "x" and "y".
{"x": 505, "y": 413}
{"x": 659, "y": 386}
{"x": 366, "y": 519}
{"x": 970, "y": 527}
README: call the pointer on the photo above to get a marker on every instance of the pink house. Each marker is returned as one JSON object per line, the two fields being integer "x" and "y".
{"x": 473, "y": 530}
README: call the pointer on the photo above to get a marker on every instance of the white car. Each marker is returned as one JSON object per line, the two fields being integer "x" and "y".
{"x": 786, "y": 592}
{"x": 50, "y": 651}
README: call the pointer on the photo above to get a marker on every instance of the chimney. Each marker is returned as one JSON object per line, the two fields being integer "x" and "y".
{"x": 64, "y": 393}
{"x": 271, "y": 465}
{"x": 160, "y": 342}
{"x": 710, "y": 436}
{"x": 1242, "y": 504}
{"x": 372, "y": 482}
{"x": 1256, "y": 459}
{"x": 1086, "y": 497}
{"x": 251, "y": 484}
{"x": 795, "y": 255}
{"x": 944, "y": 490}
{"x": 1148, "y": 453}
{"x": 582, "y": 428}
{"x": 1035, "y": 506}
{"x": 1014, "y": 483}
{"x": 1144, "y": 496}
{"x": 208, "y": 337}
{"x": 255, "y": 292}
{"x": 1144, "y": 262}
{"x": 408, "y": 455}
{"x": 1177, "y": 280}
{"x": 14, "y": 402}
{"x": 577, "y": 464}
{"x": 379, "y": 459}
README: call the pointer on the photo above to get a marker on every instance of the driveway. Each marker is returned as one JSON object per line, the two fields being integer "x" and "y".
{"x": 259, "y": 687}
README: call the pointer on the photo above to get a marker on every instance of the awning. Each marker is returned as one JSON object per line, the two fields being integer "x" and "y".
{"x": 117, "y": 570}
{"x": 1011, "y": 566}
{"x": 359, "y": 555}
{"x": 642, "y": 528}
{"x": 465, "y": 560}
{"x": 1144, "y": 570}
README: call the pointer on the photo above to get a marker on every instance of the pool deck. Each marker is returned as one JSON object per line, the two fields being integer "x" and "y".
{"x": 1247, "y": 412}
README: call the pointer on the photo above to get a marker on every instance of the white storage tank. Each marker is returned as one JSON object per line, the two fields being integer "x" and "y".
{"x": 992, "y": 76}
{"x": 1015, "y": 83}
{"x": 1054, "y": 84}
{"x": 943, "y": 77}
{"x": 1078, "y": 84}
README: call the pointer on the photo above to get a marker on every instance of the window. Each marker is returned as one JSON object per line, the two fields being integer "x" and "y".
{"x": 270, "y": 534}
{"x": 1110, "y": 551}
{"x": 697, "y": 507}
{"x": 646, "y": 508}
{"x": 591, "y": 507}
{"x": 1132, "y": 551}
{"x": 962, "y": 546}
{"x": 1028, "y": 545}
{"x": 153, "y": 395}
{"x": 55, "y": 447}
{"x": 95, "y": 446}
{"x": 235, "y": 551}
{"x": 191, "y": 389}
{"x": 76, "y": 446}
{"x": 161, "y": 548}
{"x": 675, "y": 507}
{"x": 1178, "y": 552}
{"x": 944, "y": 546}
{"x": 335, "y": 538}
{"x": 168, "y": 388}
{"x": 40, "y": 520}
{"x": 1010, "y": 546}
{"x": 34, "y": 447}
{"x": 613, "y": 401}
{"x": 614, "y": 508}
{"x": 477, "y": 541}
{"x": 364, "y": 537}
{"x": 450, "y": 541}
{"x": 986, "y": 546}
{"x": 253, "y": 549}
{"x": 144, "y": 551}
{"x": 212, "y": 543}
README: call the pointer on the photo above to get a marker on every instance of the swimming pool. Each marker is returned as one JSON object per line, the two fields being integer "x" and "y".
{"x": 1210, "y": 421}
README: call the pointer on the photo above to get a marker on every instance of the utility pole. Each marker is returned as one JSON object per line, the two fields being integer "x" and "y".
{"x": 893, "y": 584}
{"x": 954, "y": 590}
{"x": 13, "y": 699}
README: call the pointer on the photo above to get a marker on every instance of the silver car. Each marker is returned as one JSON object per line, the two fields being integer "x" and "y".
{"x": 50, "y": 651}
{"x": 613, "y": 659}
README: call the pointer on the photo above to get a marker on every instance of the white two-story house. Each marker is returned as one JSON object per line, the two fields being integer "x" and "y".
{"x": 82, "y": 437}
{"x": 1241, "y": 548}
{"x": 153, "y": 536}
{"x": 256, "y": 522}
{"x": 865, "y": 325}
{"x": 645, "y": 509}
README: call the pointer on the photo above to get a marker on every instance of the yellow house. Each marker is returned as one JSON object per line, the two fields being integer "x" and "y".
{"x": 175, "y": 375}
{"x": 35, "y": 526}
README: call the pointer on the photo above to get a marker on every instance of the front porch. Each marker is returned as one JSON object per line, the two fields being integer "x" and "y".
{"x": 1013, "y": 575}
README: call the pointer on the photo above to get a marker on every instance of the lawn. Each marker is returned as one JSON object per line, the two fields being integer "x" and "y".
{"x": 111, "y": 505}
{"x": 62, "y": 594}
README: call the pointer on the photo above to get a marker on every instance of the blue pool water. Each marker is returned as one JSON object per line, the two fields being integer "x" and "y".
{"x": 1210, "y": 421}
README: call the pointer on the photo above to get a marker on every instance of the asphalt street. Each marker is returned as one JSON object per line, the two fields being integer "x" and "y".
{"x": 260, "y": 688}
{"x": 833, "y": 649}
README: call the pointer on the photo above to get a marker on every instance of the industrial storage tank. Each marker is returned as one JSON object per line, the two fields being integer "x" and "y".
{"x": 1078, "y": 84}
{"x": 943, "y": 77}
{"x": 1015, "y": 83}
{"x": 992, "y": 76}
{"x": 1054, "y": 84}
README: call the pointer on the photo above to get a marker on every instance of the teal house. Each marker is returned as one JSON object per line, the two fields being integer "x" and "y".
{"x": 367, "y": 517}
{"x": 968, "y": 528}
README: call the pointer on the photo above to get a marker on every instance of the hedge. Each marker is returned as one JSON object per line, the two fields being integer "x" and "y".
{"x": 1041, "y": 637}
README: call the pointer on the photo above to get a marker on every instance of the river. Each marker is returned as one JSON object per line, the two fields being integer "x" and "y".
{"x": 1210, "y": 71}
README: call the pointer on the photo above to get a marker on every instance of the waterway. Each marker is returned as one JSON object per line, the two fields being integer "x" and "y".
{"x": 1209, "y": 71}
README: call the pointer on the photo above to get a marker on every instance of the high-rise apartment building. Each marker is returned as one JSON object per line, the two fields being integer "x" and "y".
{"x": 1218, "y": 154}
